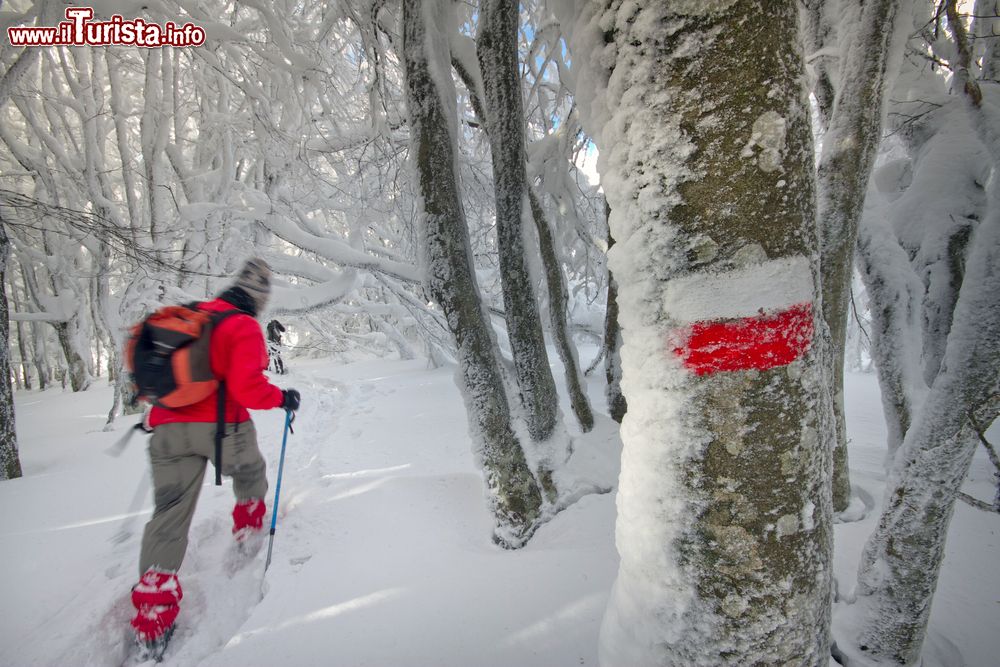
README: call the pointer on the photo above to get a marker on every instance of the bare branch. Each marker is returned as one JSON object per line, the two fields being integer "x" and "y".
{"x": 990, "y": 449}
{"x": 29, "y": 212}
{"x": 978, "y": 504}
{"x": 969, "y": 85}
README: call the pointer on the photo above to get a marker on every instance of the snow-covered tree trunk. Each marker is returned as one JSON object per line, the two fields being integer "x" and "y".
{"x": 45, "y": 11}
{"x": 558, "y": 317}
{"x": 153, "y": 141}
{"x": 902, "y": 559}
{"x": 24, "y": 344}
{"x": 125, "y": 153}
{"x": 817, "y": 35}
{"x": 617, "y": 405}
{"x": 987, "y": 25}
{"x": 849, "y": 146}
{"x": 724, "y": 523}
{"x": 895, "y": 312}
{"x": 25, "y": 355}
{"x": 79, "y": 378}
{"x": 514, "y": 496}
{"x": 552, "y": 266}
{"x": 38, "y": 349}
{"x": 10, "y": 462}
{"x": 496, "y": 49}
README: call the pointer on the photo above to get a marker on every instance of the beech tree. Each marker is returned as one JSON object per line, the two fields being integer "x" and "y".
{"x": 617, "y": 405}
{"x": 10, "y": 462}
{"x": 703, "y": 126}
{"x": 496, "y": 48}
{"x": 929, "y": 258}
{"x": 853, "y": 121}
{"x": 514, "y": 496}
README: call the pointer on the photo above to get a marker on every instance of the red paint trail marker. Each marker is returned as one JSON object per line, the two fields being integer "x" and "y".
{"x": 759, "y": 317}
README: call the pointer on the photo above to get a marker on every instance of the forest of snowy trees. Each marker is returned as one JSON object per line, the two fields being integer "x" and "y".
{"x": 785, "y": 189}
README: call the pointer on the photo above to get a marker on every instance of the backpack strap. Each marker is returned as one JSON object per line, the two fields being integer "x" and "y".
{"x": 220, "y": 418}
{"x": 220, "y": 431}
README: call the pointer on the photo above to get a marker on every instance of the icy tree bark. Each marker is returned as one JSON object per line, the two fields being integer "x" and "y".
{"x": 24, "y": 345}
{"x": 902, "y": 559}
{"x": 845, "y": 166}
{"x": 514, "y": 496}
{"x": 558, "y": 317}
{"x": 895, "y": 312}
{"x": 617, "y": 405}
{"x": 125, "y": 153}
{"x": 37, "y": 340}
{"x": 554, "y": 282}
{"x": 987, "y": 27}
{"x": 496, "y": 49}
{"x": 79, "y": 378}
{"x": 153, "y": 140}
{"x": 23, "y": 351}
{"x": 816, "y": 35}
{"x": 41, "y": 366}
{"x": 10, "y": 463}
{"x": 724, "y": 523}
{"x": 27, "y": 57}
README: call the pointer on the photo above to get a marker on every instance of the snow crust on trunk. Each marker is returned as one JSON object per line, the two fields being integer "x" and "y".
{"x": 871, "y": 46}
{"x": 945, "y": 238}
{"x": 497, "y": 54}
{"x": 512, "y": 492}
{"x": 10, "y": 464}
{"x": 901, "y": 560}
{"x": 719, "y": 565}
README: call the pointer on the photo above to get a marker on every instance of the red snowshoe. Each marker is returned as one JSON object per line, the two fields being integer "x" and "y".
{"x": 156, "y": 598}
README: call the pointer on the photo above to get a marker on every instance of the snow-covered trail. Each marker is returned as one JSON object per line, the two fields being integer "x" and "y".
{"x": 387, "y": 558}
{"x": 382, "y": 555}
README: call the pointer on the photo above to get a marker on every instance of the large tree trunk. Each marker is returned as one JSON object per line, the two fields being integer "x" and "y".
{"x": 10, "y": 462}
{"x": 514, "y": 496}
{"x": 724, "y": 525}
{"x": 496, "y": 48}
{"x": 845, "y": 166}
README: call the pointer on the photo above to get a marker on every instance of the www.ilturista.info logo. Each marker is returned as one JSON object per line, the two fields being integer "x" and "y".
{"x": 79, "y": 30}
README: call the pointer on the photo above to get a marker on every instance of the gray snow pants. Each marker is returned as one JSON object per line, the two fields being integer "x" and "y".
{"x": 178, "y": 453}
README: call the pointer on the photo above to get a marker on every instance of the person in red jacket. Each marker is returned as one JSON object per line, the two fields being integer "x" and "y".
{"x": 183, "y": 442}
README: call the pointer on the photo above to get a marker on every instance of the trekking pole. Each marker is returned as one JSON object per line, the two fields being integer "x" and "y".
{"x": 127, "y": 528}
{"x": 277, "y": 487}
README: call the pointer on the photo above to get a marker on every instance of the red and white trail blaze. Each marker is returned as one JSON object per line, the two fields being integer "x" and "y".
{"x": 758, "y": 317}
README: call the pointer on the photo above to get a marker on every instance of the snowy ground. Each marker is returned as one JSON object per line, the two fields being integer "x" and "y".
{"x": 383, "y": 554}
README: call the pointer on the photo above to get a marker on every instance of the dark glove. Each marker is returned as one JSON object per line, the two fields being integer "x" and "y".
{"x": 290, "y": 399}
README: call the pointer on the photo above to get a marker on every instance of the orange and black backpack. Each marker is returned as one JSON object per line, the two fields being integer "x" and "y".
{"x": 168, "y": 355}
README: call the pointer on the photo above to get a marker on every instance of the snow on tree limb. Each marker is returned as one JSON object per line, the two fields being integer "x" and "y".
{"x": 337, "y": 251}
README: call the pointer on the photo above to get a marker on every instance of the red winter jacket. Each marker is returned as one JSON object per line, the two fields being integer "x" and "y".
{"x": 238, "y": 357}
